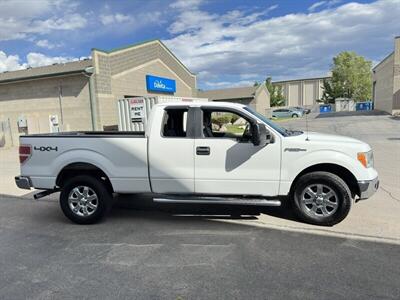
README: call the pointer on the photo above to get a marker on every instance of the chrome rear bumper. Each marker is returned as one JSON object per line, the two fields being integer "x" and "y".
{"x": 23, "y": 182}
{"x": 368, "y": 188}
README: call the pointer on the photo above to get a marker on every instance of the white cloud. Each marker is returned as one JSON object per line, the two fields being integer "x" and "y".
{"x": 327, "y": 4}
{"x": 186, "y": 4}
{"x": 316, "y": 5}
{"x": 10, "y": 62}
{"x": 68, "y": 22}
{"x": 294, "y": 45}
{"x": 38, "y": 59}
{"x": 20, "y": 19}
{"x": 33, "y": 59}
{"x": 46, "y": 44}
{"x": 127, "y": 24}
{"x": 114, "y": 18}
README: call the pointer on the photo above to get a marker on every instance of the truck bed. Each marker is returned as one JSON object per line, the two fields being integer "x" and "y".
{"x": 122, "y": 156}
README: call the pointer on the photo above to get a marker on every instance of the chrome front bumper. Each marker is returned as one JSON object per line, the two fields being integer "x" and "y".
{"x": 23, "y": 182}
{"x": 368, "y": 188}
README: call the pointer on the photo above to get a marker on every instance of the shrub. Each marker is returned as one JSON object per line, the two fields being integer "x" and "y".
{"x": 221, "y": 119}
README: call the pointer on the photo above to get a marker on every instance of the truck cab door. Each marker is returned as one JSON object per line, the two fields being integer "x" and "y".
{"x": 226, "y": 160}
{"x": 170, "y": 148}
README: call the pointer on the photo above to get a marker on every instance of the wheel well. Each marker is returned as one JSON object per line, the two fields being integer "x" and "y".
{"x": 80, "y": 168}
{"x": 340, "y": 171}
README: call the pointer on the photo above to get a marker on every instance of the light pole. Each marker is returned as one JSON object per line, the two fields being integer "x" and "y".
{"x": 88, "y": 73}
{"x": 60, "y": 104}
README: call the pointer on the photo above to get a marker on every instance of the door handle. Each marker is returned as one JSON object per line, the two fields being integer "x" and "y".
{"x": 203, "y": 150}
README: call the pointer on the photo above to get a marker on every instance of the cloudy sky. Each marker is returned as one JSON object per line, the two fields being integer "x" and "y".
{"x": 227, "y": 43}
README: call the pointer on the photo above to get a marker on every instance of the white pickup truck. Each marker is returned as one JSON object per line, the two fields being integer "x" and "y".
{"x": 212, "y": 153}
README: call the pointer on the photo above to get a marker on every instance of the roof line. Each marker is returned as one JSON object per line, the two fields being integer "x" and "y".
{"x": 302, "y": 79}
{"x": 176, "y": 58}
{"x": 27, "y": 78}
{"x": 231, "y": 88}
{"x": 383, "y": 60}
{"x": 142, "y": 43}
{"x": 227, "y": 98}
{"x": 125, "y": 47}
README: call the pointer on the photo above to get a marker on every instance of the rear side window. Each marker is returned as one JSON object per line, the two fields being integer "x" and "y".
{"x": 174, "y": 123}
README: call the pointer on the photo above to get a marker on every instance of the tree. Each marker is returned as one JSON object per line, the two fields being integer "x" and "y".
{"x": 351, "y": 78}
{"x": 275, "y": 92}
{"x": 329, "y": 95}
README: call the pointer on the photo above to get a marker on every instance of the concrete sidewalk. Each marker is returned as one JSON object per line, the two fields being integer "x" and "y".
{"x": 9, "y": 168}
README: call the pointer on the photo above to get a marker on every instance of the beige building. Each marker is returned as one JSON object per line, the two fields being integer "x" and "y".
{"x": 302, "y": 92}
{"x": 386, "y": 82}
{"x": 83, "y": 95}
{"x": 256, "y": 97}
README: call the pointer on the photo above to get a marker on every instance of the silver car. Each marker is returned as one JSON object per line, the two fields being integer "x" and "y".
{"x": 287, "y": 113}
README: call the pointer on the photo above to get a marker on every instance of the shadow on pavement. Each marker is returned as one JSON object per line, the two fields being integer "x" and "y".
{"x": 152, "y": 255}
{"x": 29, "y": 196}
{"x": 351, "y": 114}
{"x": 396, "y": 118}
{"x": 217, "y": 211}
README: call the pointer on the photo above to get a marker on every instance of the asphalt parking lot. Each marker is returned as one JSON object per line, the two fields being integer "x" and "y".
{"x": 147, "y": 251}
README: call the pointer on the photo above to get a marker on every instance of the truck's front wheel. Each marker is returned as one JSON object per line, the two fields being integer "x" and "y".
{"x": 85, "y": 199}
{"x": 321, "y": 198}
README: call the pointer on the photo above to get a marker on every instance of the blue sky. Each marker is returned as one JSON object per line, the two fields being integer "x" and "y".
{"x": 227, "y": 43}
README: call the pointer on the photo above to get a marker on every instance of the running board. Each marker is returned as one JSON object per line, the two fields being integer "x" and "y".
{"x": 218, "y": 200}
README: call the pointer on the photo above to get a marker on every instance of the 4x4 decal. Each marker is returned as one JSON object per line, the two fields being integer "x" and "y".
{"x": 47, "y": 148}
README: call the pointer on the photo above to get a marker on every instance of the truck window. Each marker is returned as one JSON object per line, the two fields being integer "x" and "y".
{"x": 174, "y": 123}
{"x": 225, "y": 124}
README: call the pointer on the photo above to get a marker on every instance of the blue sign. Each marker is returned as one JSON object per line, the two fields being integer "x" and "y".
{"x": 160, "y": 84}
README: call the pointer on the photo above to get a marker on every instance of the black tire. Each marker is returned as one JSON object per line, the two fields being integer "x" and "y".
{"x": 342, "y": 198}
{"x": 103, "y": 201}
{"x": 295, "y": 116}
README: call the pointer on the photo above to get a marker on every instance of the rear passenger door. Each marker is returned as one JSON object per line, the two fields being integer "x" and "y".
{"x": 171, "y": 156}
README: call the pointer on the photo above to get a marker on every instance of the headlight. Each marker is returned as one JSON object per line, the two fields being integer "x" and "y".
{"x": 366, "y": 158}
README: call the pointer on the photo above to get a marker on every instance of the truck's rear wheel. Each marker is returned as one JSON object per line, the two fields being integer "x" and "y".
{"x": 85, "y": 199}
{"x": 321, "y": 198}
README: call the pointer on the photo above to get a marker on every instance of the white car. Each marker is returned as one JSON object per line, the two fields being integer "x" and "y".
{"x": 189, "y": 155}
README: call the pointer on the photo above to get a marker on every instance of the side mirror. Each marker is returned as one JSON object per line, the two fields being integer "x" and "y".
{"x": 260, "y": 135}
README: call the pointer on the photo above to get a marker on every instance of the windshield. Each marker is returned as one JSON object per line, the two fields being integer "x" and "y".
{"x": 281, "y": 130}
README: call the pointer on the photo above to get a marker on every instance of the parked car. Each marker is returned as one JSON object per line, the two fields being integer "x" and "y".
{"x": 287, "y": 113}
{"x": 183, "y": 156}
{"x": 303, "y": 109}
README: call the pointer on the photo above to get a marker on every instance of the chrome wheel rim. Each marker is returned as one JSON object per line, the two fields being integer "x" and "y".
{"x": 83, "y": 201}
{"x": 319, "y": 200}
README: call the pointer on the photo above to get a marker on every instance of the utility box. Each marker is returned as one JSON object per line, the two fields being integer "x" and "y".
{"x": 345, "y": 104}
{"x": 134, "y": 112}
{"x": 54, "y": 124}
{"x": 22, "y": 122}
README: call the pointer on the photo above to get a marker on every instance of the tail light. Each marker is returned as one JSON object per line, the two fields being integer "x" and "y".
{"x": 25, "y": 152}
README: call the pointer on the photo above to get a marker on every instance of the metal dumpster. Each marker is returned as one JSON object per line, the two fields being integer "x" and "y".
{"x": 325, "y": 108}
{"x": 364, "y": 105}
